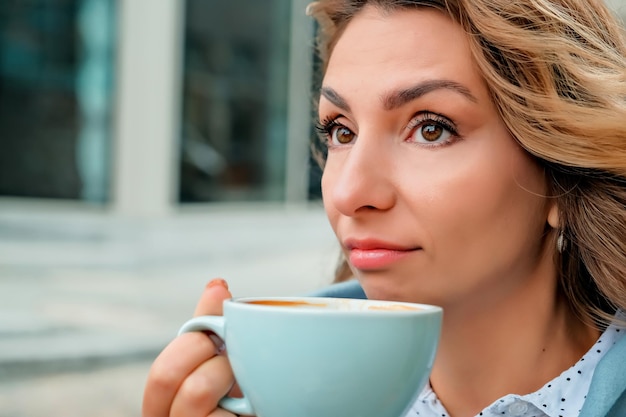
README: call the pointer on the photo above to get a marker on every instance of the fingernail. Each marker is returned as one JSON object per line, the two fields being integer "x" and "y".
{"x": 216, "y": 282}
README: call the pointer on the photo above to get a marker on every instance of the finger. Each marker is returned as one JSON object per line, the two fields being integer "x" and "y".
{"x": 182, "y": 356}
{"x": 171, "y": 367}
{"x": 203, "y": 389}
{"x": 212, "y": 298}
{"x": 211, "y": 303}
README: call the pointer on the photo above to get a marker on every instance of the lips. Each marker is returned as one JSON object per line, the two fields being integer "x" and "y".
{"x": 369, "y": 254}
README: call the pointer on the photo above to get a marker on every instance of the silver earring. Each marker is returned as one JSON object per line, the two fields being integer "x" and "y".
{"x": 561, "y": 243}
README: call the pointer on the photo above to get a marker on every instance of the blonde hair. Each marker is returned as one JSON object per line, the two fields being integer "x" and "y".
{"x": 556, "y": 71}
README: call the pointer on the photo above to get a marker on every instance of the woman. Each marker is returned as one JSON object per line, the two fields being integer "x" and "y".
{"x": 477, "y": 161}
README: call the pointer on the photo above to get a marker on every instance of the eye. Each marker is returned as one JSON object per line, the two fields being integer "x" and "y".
{"x": 341, "y": 135}
{"x": 431, "y": 129}
{"x": 432, "y": 132}
{"x": 335, "y": 133}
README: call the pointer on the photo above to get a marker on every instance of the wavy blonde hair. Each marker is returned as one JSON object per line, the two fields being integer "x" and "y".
{"x": 556, "y": 71}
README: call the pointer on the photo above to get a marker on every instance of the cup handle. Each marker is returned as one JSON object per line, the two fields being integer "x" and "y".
{"x": 217, "y": 325}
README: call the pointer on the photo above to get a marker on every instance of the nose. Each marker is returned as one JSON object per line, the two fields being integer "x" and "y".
{"x": 360, "y": 179}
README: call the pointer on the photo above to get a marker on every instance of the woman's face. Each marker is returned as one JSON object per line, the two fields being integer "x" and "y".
{"x": 431, "y": 198}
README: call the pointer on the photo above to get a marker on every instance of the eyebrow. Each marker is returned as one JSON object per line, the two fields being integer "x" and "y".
{"x": 398, "y": 98}
{"x": 401, "y": 97}
{"x": 334, "y": 97}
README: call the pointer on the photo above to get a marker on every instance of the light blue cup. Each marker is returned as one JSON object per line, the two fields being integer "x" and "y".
{"x": 325, "y": 357}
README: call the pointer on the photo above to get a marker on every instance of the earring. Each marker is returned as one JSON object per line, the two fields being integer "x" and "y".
{"x": 561, "y": 243}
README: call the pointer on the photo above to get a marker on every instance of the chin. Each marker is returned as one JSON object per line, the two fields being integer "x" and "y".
{"x": 382, "y": 291}
{"x": 377, "y": 289}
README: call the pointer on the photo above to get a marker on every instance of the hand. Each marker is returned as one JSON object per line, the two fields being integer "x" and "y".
{"x": 189, "y": 377}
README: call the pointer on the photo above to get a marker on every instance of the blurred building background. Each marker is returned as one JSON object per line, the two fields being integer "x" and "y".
{"x": 143, "y": 106}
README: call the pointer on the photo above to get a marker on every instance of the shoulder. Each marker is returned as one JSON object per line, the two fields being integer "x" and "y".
{"x": 607, "y": 393}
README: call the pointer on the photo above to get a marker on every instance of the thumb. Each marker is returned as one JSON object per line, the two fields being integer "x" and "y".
{"x": 212, "y": 299}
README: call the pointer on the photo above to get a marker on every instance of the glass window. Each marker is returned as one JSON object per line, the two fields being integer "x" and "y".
{"x": 235, "y": 100}
{"x": 55, "y": 90}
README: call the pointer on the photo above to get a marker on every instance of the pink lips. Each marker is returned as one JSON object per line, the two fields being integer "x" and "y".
{"x": 372, "y": 255}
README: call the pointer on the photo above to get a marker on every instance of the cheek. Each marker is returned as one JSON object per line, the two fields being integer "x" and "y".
{"x": 482, "y": 188}
{"x": 327, "y": 186}
{"x": 494, "y": 209}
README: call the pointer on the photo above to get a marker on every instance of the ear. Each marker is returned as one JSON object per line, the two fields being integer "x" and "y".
{"x": 553, "y": 215}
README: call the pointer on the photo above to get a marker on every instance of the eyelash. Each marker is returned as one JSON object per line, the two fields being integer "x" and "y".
{"x": 430, "y": 117}
{"x": 326, "y": 127}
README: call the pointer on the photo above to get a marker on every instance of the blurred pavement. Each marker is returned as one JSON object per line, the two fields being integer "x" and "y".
{"x": 88, "y": 299}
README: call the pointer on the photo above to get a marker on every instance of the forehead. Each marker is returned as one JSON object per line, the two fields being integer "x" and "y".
{"x": 401, "y": 46}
